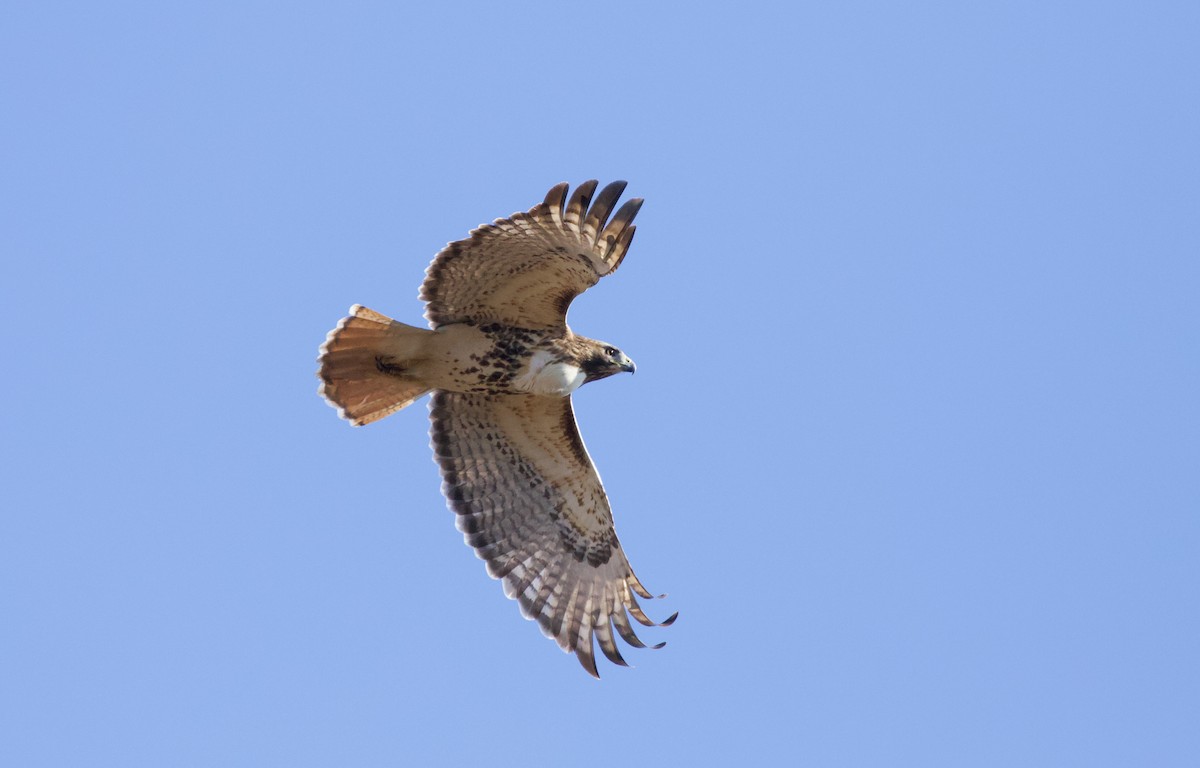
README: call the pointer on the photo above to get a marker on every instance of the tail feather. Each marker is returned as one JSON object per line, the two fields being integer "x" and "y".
{"x": 368, "y": 366}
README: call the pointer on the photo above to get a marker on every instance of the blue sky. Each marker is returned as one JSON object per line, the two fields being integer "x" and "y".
{"x": 913, "y": 442}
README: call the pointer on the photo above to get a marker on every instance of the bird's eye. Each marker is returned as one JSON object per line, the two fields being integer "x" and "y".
{"x": 611, "y": 351}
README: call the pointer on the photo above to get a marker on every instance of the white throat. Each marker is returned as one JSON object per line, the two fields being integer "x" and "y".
{"x": 544, "y": 377}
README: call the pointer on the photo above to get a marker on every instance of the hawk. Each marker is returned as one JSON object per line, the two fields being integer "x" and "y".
{"x": 501, "y": 365}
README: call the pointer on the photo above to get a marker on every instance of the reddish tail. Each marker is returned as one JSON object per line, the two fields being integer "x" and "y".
{"x": 367, "y": 363}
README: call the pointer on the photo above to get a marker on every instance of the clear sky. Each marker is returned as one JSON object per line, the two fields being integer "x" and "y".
{"x": 914, "y": 442}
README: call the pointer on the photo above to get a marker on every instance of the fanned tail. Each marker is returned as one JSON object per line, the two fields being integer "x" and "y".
{"x": 368, "y": 366}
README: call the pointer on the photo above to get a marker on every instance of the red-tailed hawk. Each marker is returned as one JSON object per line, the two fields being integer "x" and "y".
{"x": 502, "y": 364}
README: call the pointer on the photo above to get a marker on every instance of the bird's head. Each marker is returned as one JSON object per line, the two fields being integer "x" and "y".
{"x": 601, "y": 360}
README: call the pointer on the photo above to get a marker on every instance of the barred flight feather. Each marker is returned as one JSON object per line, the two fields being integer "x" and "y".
{"x": 525, "y": 270}
{"x": 531, "y": 534}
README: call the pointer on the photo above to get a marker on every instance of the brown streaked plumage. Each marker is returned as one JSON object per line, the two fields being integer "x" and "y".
{"x": 502, "y": 364}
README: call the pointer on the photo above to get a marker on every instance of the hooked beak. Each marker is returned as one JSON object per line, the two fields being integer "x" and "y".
{"x": 627, "y": 365}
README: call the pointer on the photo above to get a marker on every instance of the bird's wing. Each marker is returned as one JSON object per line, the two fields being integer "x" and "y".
{"x": 525, "y": 270}
{"x": 529, "y": 501}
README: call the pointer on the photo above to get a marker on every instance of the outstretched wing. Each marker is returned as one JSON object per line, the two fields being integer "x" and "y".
{"x": 529, "y": 501}
{"x": 525, "y": 270}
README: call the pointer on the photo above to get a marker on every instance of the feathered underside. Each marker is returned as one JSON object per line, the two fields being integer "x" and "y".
{"x": 525, "y": 270}
{"x": 514, "y": 466}
{"x": 530, "y": 502}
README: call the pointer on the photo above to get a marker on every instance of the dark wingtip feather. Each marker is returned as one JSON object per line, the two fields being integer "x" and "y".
{"x": 577, "y": 207}
{"x": 670, "y": 620}
{"x": 587, "y": 654}
{"x": 622, "y": 246}
{"x": 624, "y": 216}
{"x": 602, "y": 207}
{"x": 638, "y": 588}
{"x": 625, "y": 630}
{"x": 614, "y": 236}
{"x": 557, "y": 196}
{"x": 604, "y": 636}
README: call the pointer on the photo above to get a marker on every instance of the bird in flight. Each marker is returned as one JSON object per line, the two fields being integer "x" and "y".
{"x": 502, "y": 365}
